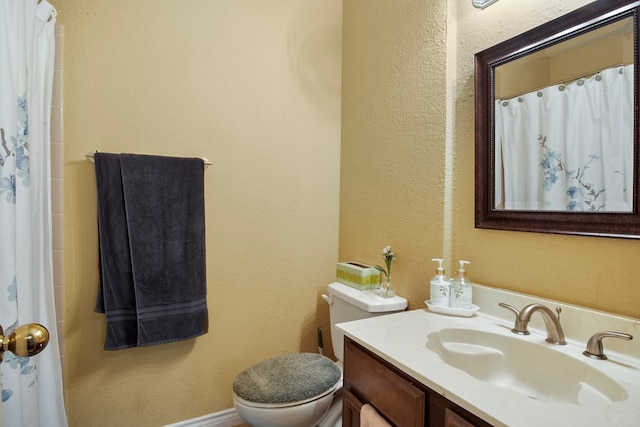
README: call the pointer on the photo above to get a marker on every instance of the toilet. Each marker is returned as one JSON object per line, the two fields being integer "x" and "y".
{"x": 305, "y": 389}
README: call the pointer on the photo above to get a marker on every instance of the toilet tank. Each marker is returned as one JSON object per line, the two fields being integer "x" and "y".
{"x": 346, "y": 304}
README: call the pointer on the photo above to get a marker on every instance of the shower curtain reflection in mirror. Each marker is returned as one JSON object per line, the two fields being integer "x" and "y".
{"x": 567, "y": 147}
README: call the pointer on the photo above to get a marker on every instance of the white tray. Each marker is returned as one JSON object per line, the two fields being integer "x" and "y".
{"x": 464, "y": 312}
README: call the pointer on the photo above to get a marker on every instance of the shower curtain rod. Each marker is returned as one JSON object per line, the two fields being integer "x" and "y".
{"x": 567, "y": 80}
{"x": 90, "y": 157}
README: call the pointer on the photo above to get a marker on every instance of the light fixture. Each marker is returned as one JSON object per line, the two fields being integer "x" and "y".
{"x": 481, "y": 4}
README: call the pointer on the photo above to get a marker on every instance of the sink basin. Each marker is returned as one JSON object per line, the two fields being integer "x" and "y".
{"x": 529, "y": 368}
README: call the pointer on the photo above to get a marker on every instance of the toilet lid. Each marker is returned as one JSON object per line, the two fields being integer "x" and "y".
{"x": 287, "y": 379}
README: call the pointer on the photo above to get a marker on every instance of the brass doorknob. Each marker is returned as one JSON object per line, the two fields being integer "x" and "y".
{"x": 26, "y": 340}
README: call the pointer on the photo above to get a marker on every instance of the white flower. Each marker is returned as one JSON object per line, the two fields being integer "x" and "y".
{"x": 389, "y": 256}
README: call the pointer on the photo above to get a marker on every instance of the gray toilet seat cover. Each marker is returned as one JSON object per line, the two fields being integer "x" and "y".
{"x": 287, "y": 379}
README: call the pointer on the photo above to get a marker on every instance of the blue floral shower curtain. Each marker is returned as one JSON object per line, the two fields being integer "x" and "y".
{"x": 31, "y": 387}
{"x": 568, "y": 147}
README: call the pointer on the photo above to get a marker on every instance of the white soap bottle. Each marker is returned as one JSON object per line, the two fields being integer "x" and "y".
{"x": 461, "y": 289}
{"x": 440, "y": 286}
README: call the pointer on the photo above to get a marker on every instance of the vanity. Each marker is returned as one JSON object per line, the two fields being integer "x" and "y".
{"x": 404, "y": 400}
{"x": 420, "y": 368}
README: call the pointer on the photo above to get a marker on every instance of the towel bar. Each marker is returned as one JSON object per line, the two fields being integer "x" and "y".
{"x": 89, "y": 156}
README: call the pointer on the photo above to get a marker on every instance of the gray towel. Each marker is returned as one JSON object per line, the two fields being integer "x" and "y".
{"x": 152, "y": 249}
{"x": 116, "y": 296}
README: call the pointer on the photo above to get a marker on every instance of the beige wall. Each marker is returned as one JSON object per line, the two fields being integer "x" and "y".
{"x": 407, "y": 167}
{"x": 583, "y": 57}
{"x": 392, "y": 174}
{"x": 254, "y": 86}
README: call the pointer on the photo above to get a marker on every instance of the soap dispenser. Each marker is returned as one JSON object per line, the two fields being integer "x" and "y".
{"x": 461, "y": 290}
{"x": 440, "y": 286}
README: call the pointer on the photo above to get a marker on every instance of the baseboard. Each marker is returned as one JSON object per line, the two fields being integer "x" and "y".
{"x": 226, "y": 418}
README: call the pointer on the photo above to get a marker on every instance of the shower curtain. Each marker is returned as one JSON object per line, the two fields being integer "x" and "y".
{"x": 567, "y": 147}
{"x": 31, "y": 386}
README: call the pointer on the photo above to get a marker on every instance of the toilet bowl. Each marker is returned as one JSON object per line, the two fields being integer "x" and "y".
{"x": 305, "y": 389}
{"x": 287, "y": 391}
{"x": 296, "y": 414}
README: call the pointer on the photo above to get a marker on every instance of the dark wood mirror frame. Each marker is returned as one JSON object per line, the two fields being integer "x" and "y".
{"x": 580, "y": 21}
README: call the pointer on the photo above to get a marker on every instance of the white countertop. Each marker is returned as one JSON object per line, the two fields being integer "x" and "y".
{"x": 401, "y": 339}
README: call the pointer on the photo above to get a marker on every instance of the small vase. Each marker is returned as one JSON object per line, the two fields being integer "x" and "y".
{"x": 386, "y": 288}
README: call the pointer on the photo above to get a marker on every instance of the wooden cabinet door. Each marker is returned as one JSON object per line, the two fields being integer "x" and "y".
{"x": 443, "y": 412}
{"x": 451, "y": 419}
{"x": 368, "y": 379}
{"x": 350, "y": 410}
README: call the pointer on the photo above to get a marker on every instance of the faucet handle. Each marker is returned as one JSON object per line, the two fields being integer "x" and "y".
{"x": 519, "y": 327}
{"x": 595, "y": 349}
{"x": 509, "y": 307}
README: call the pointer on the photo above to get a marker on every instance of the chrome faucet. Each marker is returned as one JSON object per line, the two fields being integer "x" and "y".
{"x": 555, "y": 334}
{"x": 594, "y": 346}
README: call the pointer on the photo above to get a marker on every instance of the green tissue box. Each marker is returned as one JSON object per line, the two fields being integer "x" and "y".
{"x": 358, "y": 276}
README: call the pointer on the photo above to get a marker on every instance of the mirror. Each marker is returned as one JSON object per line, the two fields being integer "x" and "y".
{"x": 556, "y": 116}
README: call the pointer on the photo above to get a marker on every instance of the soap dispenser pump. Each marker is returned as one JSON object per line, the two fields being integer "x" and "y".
{"x": 461, "y": 289}
{"x": 440, "y": 286}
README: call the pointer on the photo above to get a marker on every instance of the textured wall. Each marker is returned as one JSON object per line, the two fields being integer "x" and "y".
{"x": 255, "y": 87}
{"x": 407, "y": 166}
{"x": 392, "y": 176}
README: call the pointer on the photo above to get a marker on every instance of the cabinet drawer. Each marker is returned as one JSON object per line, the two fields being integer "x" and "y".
{"x": 371, "y": 380}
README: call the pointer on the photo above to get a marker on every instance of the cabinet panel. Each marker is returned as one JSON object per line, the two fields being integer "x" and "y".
{"x": 351, "y": 410}
{"x": 443, "y": 412}
{"x": 373, "y": 381}
{"x": 451, "y": 419}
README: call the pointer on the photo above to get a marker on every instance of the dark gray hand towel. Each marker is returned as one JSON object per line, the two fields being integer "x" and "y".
{"x": 153, "y": 260}
{"x": 116, "y": 296}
